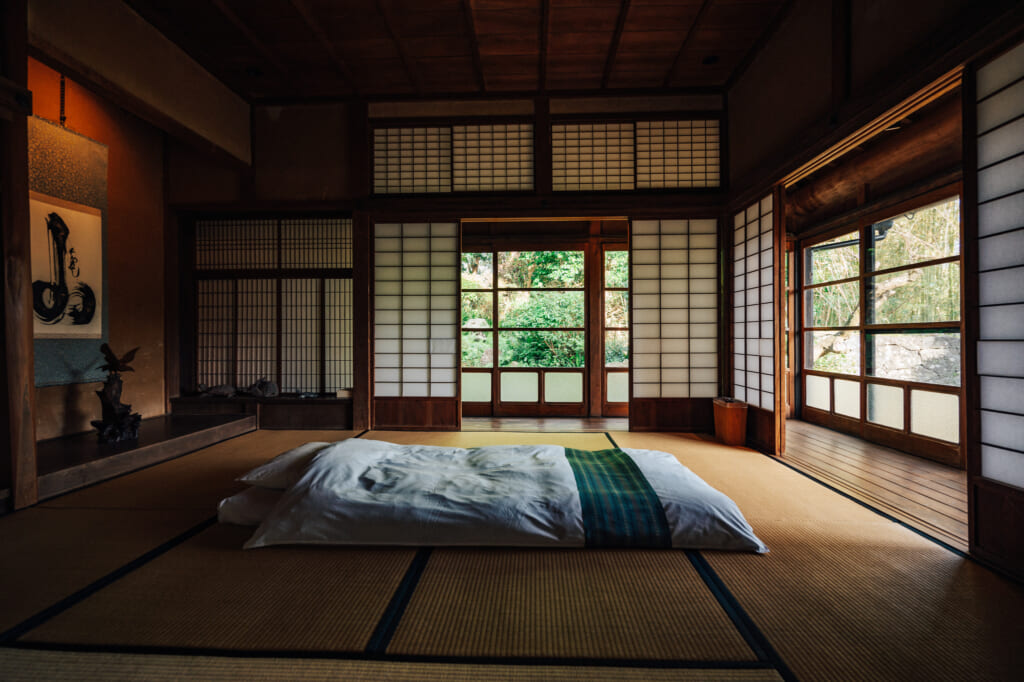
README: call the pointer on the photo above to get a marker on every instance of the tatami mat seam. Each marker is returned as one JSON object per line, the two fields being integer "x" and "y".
{"x": 71, "y": 600}
{"x": 392, "y": 616}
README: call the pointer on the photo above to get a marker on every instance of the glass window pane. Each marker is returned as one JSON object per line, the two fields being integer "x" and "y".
{"x": 541, "y": 349}
{"x": 617, "y": 387}
{"x": 927, "y": 357}
{"x": 477, "y": 309}
{"x": 835, "y": 305}
{"x": 847, "y": 395}
{"x": 477, "y": 270}
{"x": 476, "y": 387}
{"x": 885, "y": 405}
{"x": 837, "y": 258}
{"x": 540, "y": 269}
{"x": 540, "y": 309}
{"x": 928, "y": 294}
{"x": 818, "y": 393}
{"x": 936, "y": 415}
{"x": 616, "y": 349}
{"x": 616, "y": 268}
{"x": 925, "y": 234}
{"x": 616, "y": 308}
{"x": 563, "y": 387}
{"x": 833, "y": 351}
{"x": 520, "y": 387}
{"x": 477, "y": 349}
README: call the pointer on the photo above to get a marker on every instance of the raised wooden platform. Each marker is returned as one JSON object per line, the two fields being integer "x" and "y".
{"x": 64, "y": 464}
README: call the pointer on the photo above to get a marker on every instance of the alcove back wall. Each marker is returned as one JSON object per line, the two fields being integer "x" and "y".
{"x": 134, "y": 251}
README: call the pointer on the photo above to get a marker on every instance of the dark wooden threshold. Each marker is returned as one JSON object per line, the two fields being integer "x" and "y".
{"x": 64, "y": 464}
{"x": 541, "y": 424}
{"x": 929, "y": 496}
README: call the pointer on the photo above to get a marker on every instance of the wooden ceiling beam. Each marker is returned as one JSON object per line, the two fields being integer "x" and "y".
{"x": 474, "y": 41}
{"x": 253, "y": 39}
{"x": 670, "y": 76}
{"x": 384, "y": 9}
{"x": 314, "y": 26}
{"x": 613, "y": 49}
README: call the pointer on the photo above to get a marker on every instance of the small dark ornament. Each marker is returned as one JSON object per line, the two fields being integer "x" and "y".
{"x": 119, "y": 423}
{"x": 263, "y": 388}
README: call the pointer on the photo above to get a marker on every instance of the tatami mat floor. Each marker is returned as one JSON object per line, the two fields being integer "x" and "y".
{"x": 131, "y": 579}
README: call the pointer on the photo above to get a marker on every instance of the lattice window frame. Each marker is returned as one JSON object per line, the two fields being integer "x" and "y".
{"x": 291, "y": 276}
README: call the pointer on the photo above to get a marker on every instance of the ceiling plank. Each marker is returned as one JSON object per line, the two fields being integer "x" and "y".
{"x": 384, "y": 9}
{"x": 307, "y": 16}
{"x": 542, "y": 59}
{"x": 474, "y": 41}
{"x": 253, "y": 39}
{"x": 613, "y": 49}
{"x": 670, "y": 76}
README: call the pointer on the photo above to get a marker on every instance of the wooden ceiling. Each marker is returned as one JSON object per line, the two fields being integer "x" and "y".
{"x": 284, "y": 50}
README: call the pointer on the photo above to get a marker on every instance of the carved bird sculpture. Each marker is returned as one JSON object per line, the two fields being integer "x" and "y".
{"x": 116, "y": 364}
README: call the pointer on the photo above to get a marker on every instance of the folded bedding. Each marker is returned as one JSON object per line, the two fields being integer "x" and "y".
{"x": 367, "y": 492}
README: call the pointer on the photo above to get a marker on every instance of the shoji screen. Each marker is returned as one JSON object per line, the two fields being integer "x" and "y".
{"x": 674, "y": 309}
{"x": 592, "y": 156}
{"x": 274, "y": 301}
{"x": 677, "y": 154}
{"x": 412, "y": 160}
{"x": 1000, "y": 164}
{"x": 415, "y": 310}
{"x": 753, "y": 306}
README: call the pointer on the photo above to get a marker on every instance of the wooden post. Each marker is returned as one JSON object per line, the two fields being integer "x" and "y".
{"x": 19, "y": 390}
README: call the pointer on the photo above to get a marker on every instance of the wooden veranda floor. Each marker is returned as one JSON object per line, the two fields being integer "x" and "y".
{"x": 929, "y": 496}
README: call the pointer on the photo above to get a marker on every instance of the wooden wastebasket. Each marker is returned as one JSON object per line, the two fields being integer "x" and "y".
{"x": 730, "y": 421}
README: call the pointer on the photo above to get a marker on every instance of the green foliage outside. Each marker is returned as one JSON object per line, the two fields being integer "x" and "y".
{"x": 918, "y": 294}
{"x": 541, "y": 313}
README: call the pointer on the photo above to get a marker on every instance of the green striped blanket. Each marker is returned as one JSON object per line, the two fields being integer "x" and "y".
{"x": 620, "y": 509}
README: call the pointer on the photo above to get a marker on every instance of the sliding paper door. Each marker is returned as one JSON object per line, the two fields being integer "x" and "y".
{"x": 415, "y": 325}
{"x": 674, "y": 346}
{"x": 995, "y": 151}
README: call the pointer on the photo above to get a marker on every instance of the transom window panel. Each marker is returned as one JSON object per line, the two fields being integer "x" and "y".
{"x": 260, "y": 316}
{"x": 412, "y": 160}
{"x": 753, "y": 305}
{"x": 674, "y": 308}
{"x": 592, "y": 156}
{"x": 496, "y": 157}
{"x": 1000, "y": 248}
{"x": 677, "y": 154}
{"x": 416, "y": 304}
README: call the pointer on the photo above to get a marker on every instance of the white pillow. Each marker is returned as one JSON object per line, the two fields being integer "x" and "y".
{"x": 249, "y": 507}
{"x": 281, "y": 472}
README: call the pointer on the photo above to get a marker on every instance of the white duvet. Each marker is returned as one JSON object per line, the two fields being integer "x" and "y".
{"x": 367, "y": 492}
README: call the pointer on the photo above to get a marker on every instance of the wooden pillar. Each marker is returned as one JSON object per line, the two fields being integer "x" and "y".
{"x": 19, "y": 388}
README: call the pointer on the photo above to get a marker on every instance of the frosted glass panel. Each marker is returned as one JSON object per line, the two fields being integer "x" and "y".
{"x": 563, "y": 387}
{"x": 885, "y": 405}
{"x": 1002, "y": 465}
{"x": 936, "y": 415}
{"x": 817, "y": 394}
{"x": 520, "y": 387}
{"x": 847, "y": 395}
{"x": 476, "y": 387}
{"x": 617, "y": 390}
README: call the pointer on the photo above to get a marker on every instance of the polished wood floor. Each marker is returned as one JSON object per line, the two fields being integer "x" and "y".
{"x": 556, "y": 424}
{"x": 924, "y": 494}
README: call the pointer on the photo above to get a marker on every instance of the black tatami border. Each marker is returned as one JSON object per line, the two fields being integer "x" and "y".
{"x": 97, "y": 585}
